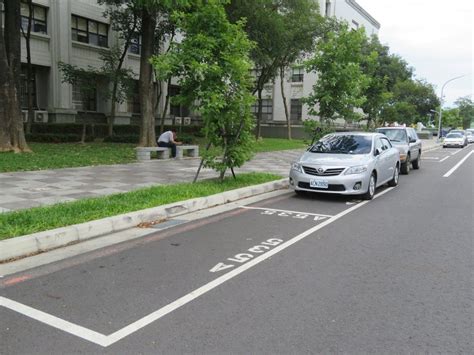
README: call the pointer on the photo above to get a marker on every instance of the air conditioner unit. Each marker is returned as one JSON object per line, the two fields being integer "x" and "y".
{"x": 187, "y": 121}
{"x": 41, "y": 116}
{"x": 24, "y": 115}
{"x": 178, "y": 121}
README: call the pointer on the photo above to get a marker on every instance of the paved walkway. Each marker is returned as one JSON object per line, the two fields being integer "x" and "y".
{"x": 22, "y": 190}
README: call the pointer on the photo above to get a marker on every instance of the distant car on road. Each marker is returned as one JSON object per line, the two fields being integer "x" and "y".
{"x": 454, "y": 140}
{"x": 407, "y": 142}
{"x": 470, "y": 135}
{"x": 350, "y": 163}
{"x": 463, "y": 133}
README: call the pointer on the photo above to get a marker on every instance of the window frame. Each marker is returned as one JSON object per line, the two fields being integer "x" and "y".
{"x": 267, "y": 109}
{"x": 297, "y": 75}
{"x": 34, "y": 21}
{"x": 296, "y": 110}
{"x": 135, "y": 42}
{"x": 87, "y": 34}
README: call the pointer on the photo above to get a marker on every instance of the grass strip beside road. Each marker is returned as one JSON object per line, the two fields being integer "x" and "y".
{"x": 69, "y": 155}
{"x": 38, "y": 219}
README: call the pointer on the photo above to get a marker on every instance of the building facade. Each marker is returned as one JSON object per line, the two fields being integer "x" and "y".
{"x": 75, "y": 32}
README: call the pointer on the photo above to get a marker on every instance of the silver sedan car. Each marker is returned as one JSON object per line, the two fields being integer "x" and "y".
{"x": 349, "y": 163}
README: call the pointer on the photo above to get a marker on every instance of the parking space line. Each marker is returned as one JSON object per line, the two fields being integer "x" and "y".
{"x": 457, "y": 151}
{"x": 453, "y": 169}
{"x": 107, "y": 340}
{"x": 429, "y": 158}
{"x": 55, "y": 322}
{"x": 445, "y": 158}
{"x": 285, "y": 211}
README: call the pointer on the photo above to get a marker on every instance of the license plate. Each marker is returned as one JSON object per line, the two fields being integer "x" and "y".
{"x": 322, "y": 184}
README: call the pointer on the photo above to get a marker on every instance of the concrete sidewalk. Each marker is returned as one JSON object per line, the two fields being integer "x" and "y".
{"x": 21, "y": 190}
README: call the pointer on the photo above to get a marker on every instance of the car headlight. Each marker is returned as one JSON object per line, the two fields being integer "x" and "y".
{"x": 356, "y": 170}
{"x": 297, "y": 167}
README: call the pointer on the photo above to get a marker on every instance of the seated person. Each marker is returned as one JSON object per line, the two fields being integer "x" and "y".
{"x": 168, "y": 140}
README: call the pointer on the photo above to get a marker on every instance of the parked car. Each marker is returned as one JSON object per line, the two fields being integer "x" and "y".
{"x": 454, "y": 140}
{"x": 408, "y": 144}
{"x": 349, "y": 163}
{"x": 470, "y": 136}
{"x": 463, "y": 133}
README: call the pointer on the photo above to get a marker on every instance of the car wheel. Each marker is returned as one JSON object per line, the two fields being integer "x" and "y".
{"x": 300, "y": 192}
{"x": 394, "y": 181}
{"x": 417, "y": 162}
{"x": 369, "y": 195}
{"x": 405, "y": 169}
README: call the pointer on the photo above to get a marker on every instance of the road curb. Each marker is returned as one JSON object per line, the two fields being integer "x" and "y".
{"x": 43, "y": 241}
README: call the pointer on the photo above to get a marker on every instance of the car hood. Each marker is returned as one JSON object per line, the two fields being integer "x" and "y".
{"x": 334, "y": 159}
{"x": 454, "y": 139}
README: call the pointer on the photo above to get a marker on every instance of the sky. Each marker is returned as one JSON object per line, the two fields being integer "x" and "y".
{"x": 435, "y": 37}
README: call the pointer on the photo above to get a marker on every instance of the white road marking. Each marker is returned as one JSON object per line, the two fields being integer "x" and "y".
{"x": 286, "y": 211}
{"x": 453, "y": 169}
{"x": 429, "y": 158}
{"x": 107, "y": 340}
{"x": 457, "y": 151}
{"x": 445, "y": 158}
{"x": 55, "y": 322}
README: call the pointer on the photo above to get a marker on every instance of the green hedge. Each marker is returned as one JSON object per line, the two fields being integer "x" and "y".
{"x": 56, "y": 138}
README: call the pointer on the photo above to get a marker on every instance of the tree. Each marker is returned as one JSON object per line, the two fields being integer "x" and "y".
{"x": 384, "y": 72}
{"x": 411, "y": 102}
{"x": 86, "y": 80}
{"x": 212, "y": 65}
{"x": 124, "y": 18}
{"x": 339, "y": 88}
{"x": 302, "y": 24}
{"x": 451, "y": 118}
{"x": 466, "y": 111}
{"x": 29, "y": 68}
{"x": 264, "y": 24}
{"x": 12, "y": 135}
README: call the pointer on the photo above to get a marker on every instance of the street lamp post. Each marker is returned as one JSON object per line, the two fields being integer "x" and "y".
{"x": 441, "y": 104}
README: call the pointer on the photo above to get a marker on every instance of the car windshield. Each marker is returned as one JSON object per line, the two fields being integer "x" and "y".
{"x": 395, "y": 135}
{"x": 343, "y": 144}
{"x": 457, "y": 132}
{"x": 454, "y": 135}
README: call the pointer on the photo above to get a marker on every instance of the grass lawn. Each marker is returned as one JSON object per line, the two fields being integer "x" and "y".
{"x": 23, "y": 222}
{"x": 67, "y": 155}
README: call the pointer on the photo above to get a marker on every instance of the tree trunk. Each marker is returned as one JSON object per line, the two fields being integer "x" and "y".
{"x": 259, "y": 113}
{"x": 113, "y": 108}
{"x": 147, "y": 129}
{"x": 285, "y": 104}
{"x": 12, "y": 135}
{"x": 165, "y": 108}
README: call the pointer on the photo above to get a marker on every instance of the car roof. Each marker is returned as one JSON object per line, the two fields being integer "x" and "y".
{"x": 400, "y": 127}
{"x": 355, "y": 133}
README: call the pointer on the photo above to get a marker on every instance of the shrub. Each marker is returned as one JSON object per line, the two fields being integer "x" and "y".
{"x": 122, "y": 139}
{"x": 56, "y": 138}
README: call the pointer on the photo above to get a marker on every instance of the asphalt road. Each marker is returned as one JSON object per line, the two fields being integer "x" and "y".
{"x": 291, "y": 274}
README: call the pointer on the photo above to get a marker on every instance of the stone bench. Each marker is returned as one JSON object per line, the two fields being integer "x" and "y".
{"x": 192, "y": 150}
{"x": 144, "y": 153}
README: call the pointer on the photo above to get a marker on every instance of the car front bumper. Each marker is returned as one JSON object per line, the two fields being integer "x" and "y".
{"x": 354, "y": 184}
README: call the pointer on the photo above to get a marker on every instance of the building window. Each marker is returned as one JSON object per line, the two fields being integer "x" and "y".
{"x": 24, "y": 88}
{"x": 135, "y": 44}
{"x": 38, "y": 20}
{"x": 88, "y": 31}
{"x": 176, "y": 109}
{"x": 355, "y": 25}
{"x": 87, "y": 103}
{"x": 267, "y": 109}
{"x": 296, "y": 110}
{"x": 328, "y": 8}
{"x": 297, "y": 75}
{"x": 134, "y": 99}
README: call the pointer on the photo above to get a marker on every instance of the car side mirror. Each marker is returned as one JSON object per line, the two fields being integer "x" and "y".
{"x": 412, "y": 140}
{"x": 377, "y": 152}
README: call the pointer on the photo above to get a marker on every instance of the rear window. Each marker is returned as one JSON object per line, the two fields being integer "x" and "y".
{"x": 395, "y": 135}
{"x": 340, "y": 144}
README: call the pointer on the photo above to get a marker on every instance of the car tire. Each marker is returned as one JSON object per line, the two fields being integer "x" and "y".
{"x": 369, "y": 195}
{"x": 416, "y": 163}
{"x": 396, "y": 175}
{"x": 300, "y": 192}
{"x": 405, "y": 168}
